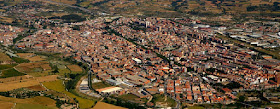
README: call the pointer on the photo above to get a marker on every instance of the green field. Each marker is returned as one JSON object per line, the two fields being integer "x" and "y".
{"x": 20, "y": 60}
{"x": 32, "y": 106}
{"x": 7, "y": 66}
{"x": 10, "y": 73}
{"x": 161, "y": 98}
{"x": 58, "y": 86}
{"x": 100, "y": 85}
{"x": 195, "y": 107}
{"x": 128, "y": 97}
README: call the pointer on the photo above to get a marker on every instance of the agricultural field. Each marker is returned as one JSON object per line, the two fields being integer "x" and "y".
{"x": 59, "y": 87}
{"x": 35, "y": 101}
{"x": 25, "y": 55}
{"x": 6, "y": 19}
{"x": 71, "y": 2}
{"x": 100, "y": 85}
{"x": 35, "y": 59}
{"x": 35, "y": 68}
{"x": 47, "y": 78}
{"x": 32, "y": 106}
{"x": 128, "y": 97}
{"x": 10, "y": 84}
{"x": 102, "y": 105}
{"x": 20, "y": 60}
{"x": 36, "y": 88}
{"x": 4, "y": 59}
{"x": 10, "y": 73}
{"x": 7, "y": 66}
{"x": 6, "y": 105}
{"x": 163, "y": 101}
{"x": 75, "y": 68}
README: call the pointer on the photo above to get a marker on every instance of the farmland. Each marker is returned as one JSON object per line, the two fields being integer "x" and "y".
{"x": 58, "y": 86}
{"x": 44, "y": 102}
{"x": 36, "y": 88}
{"x": 18, "y": 83}
{"x": 10, "y": 73}
{"x": 75, "y": 68}
{"x": 32, "y": 106}
{"x": 100, "y": 85}
{"x": 35, "y": 68}
{"x": 7, "y": 66}
{"x": 4, "y": 57}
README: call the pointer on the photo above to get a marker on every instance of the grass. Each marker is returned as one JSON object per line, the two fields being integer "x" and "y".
{"x": 195, "y": 107}
{"x": 6, "y": 105}
{"x": 39, "y": 100}
{"x": 7, "y": 66}
{"x": 20, "y": 60}
{"x": 10, "y": 73}
{"x": 59, "y": 87}
{"x": 128, "y": 97}
{"x": 35, "y": 59}
{"x": 100, "y": 85}
{"x": 160, "y": 98}
{"x": 4, "y": 57}
{"x": 32, "y": 106}
{"x": 36, "y": 88}
{"x": 75, "y": 68}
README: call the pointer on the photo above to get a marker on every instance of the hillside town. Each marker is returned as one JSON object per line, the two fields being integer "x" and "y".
{"x": 184, "y": 59}
{"x": 125, "y": 54}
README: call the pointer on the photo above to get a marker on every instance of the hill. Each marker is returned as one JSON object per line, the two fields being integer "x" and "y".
{"x": 171, "y": 8}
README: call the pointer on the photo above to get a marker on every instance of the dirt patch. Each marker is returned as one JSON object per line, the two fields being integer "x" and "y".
{"x": 36, "y": 88}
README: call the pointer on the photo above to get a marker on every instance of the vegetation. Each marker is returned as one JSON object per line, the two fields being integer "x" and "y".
{"x": 19, "y": 60}
{"x": 32, "y": 106}
{"x": 100, "y": 85}
{"x": 58, "y": 86}
{"x": 72, "y": 18}
{"x": 161, "y": 98}
{"x": 7, "y": 66}
{"x": 10, "y": 73}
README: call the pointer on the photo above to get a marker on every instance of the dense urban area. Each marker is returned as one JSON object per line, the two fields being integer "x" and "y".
{"x": 58, "y": 54}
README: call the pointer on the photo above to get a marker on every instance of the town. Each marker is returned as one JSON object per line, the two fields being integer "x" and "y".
{"x": 185, "y": 60}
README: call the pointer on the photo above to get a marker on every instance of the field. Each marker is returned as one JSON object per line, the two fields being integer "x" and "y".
{"x": 32, "y": 106}
{"x": 7, "y": 66}
{"x": 128, "y": 97}
{"x": 4, "y": 57}
{"x": 36, "y": 88}
{"x": 21, "y": 82}
{"x": 102, "y": 105}
{"x": 6, "y": 105}
{"x": 25, "y": 55}
{"x": 12, "y": 83}
{"x": 35, "y": 58}
{"x": 10, "y": 73}
{"x": 6, "y": 19}
{"x": 75, "y": 68}
{"x": 47, "y": 78}
{"x": 71, "y": 2}
{"x": 100, "y": 85}
{"x": 35, "y": 69}
{"x": 36, "y": 101}
{"x": 20, "y": 60}
{"x": 58, "y": 86}
{"x": 160, "y": 99}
